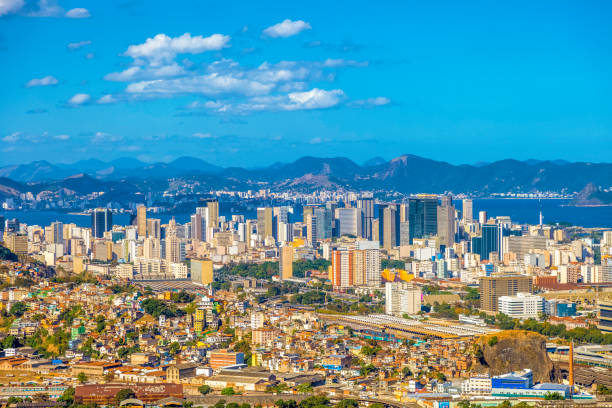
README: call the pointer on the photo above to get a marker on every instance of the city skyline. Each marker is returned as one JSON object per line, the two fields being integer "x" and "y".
{"x": 229, "y": 86}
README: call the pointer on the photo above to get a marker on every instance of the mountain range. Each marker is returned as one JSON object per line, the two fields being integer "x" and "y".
{"x": 405, "y": 174}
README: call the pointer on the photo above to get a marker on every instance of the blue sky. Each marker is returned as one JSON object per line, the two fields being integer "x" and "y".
{"x": 250, "y": 83}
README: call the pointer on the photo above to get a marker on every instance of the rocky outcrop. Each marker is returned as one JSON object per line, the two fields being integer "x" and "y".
{"x": 514, "y": 350}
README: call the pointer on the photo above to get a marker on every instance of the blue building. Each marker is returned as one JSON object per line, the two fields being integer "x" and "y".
{"x": 516, "y": 380}
{"x": 566, "y": 309}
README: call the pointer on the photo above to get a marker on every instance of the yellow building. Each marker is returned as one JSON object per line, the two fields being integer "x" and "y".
{"x": 141, "y": 220}
{"x": 17, "y": 243}
{"x": 202, "y": 271}
{"x": 285, "y": 263}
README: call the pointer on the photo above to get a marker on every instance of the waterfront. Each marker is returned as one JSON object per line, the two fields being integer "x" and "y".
{"x": 519, "y": 209}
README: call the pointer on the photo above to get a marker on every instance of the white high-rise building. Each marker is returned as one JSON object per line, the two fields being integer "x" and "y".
{"x": 522, "y": 305}
{"x": 401, "y": 297}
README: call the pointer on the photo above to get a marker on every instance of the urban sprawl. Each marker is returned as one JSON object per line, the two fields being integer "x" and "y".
{"x": 342, "y": 302}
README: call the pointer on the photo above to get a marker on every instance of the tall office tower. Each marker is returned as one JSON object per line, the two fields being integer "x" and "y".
{"x": 285, "y": 262}
{"x": 366, "y": 206}
{"x": 405, "y": 233}
{"x": 152, "y": 248}
{"x": 265, "y": 218}
{"x": 492, "y": 288}
{"x": 306, "y": 211}
{"x": 248, "y": 232}
{"x": 57, "y": 229}
{"x": 141, "y": 221}
{"x": 198, "y": 228}
{"x": 401, "y": 297}
{"x": 488, "y": 241}
{"x": 154, "y": 227}
{"x": 101, "y": 221}
{"x": 446, "y": 225}
{"x": 422, "y": 217}
{"x": 482, "y": 217}
{"x": 213, "y": 212}
{"x": 606, "y": 240}
{"x": 311, "y": 229}
{"x": 282, "y": 213}
{"x": 16, "y": 243}
{"x": 324, "y": 223}
{"x": 342, "y": 269}
{"x": 1, "y": 226}
{"x": 285, "y": 232}
{"x": 349, "y": 220}
{"x": 468, "y": 210}
{"x": 175, "y": 249}
{"x": 446, "y": 200}
{"x": 388, "y": 226}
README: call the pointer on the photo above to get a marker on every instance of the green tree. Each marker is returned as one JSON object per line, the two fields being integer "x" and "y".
{"x": 204, "y": 389}
{"x": 18, "y": 309}
{"x": 347, "y": 403}
{"x": 305, "y": 388}
{"x": 67, "y": 396}
{"x": 174, "y": 348}
{"x": 82, "y": 377}
{"x": 228, "y": 391}
{"x": 124, "y": 394}
{"x": 553, "y": 396}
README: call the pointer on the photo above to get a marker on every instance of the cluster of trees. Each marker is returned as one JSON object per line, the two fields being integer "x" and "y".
{"x": 579, "y": 334}
{"x": 445, "y": 310}
{"x": 260, "y": 271}
{"x": 156, "y": 308}
{"x": 300, "y": 267}
{"x": 182, "y": 297}
{"x": 309, "y": 298}
{"x": 320, "y": 401}
{"x": 8, "y": 255}
{"x": 392, "y": 264}
{"x": 339, "y": 306}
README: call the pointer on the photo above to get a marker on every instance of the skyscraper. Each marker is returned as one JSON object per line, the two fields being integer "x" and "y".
{"x": 285, "y": 263}
{"x": 213, "y": 212}
{"x": 366, "y": 205}
{"x": 141, "y": 221}
{"x": 388, "y": 226}
{"x": 468, "y": 210}
{"x": 264, "y": 222}
{"x": 101, "y": 221}
{"x": 446, "y": 224}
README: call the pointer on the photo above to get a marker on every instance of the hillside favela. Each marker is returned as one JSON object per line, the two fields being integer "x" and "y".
{"x": 305, "y": 204}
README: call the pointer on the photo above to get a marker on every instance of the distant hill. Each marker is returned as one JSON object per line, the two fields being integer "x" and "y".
{"x": 405, "y": 174}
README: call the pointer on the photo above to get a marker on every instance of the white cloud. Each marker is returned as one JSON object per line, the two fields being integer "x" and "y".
{"x": 102, "y": 137}
{"x": 10, "y": 6}
{"x": 163, "y": 48}
{"x": 314, "y": 99}
{"x": 79, "y": 99}
{"x": 370, "y": 102}
{"x": 106, "y": 99}
{"x": 78, "y": 44}
{"x": 12, "y": 138}
{"x": 62, "y": 137}
{"x": 210, "y": 84}
{"x": 137, "y": 73}
{"x": 286, "y": 28}
{"x": 78, "y": 13}
{"x": 45, "y": 81}
{"x": 199, "y": 135}
{"x": 46, "y": 8}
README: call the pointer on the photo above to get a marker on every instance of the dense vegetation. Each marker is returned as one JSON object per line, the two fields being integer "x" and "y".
{"x": 7, "y": 255}
{"x": 579, "y": 334}
{"x": 156, "y": 308}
